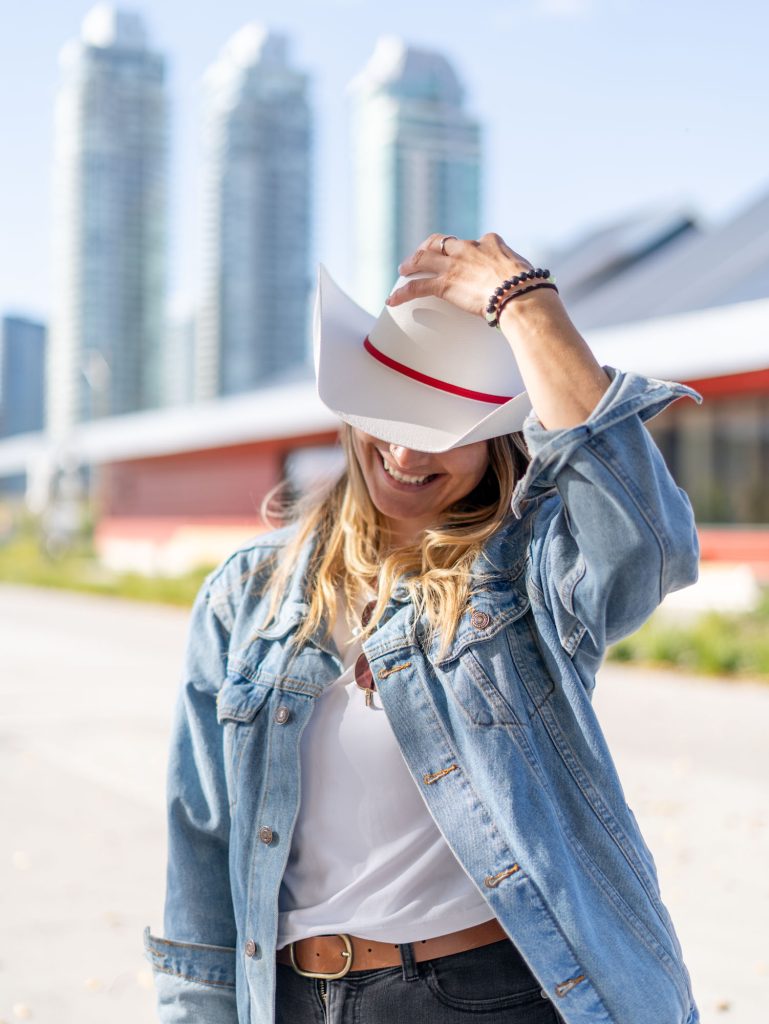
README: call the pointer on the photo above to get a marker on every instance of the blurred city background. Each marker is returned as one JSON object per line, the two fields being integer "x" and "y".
{"x": 171, "y": 178}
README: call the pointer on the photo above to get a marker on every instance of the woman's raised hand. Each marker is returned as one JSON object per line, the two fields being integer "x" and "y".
{"x": 466, "y": 271}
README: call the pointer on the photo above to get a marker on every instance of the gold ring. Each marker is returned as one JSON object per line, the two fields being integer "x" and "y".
{"x": 443, "y": 243}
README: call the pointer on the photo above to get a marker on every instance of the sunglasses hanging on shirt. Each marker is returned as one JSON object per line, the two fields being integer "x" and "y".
{"x": 364, "y": 678}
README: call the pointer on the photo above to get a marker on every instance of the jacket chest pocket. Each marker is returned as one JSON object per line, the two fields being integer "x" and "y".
{"x": 502, "y": 681}
{"x": 238, "y": 705}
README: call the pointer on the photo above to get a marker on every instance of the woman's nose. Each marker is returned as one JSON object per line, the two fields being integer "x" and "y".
{"x": 407, "y": 458}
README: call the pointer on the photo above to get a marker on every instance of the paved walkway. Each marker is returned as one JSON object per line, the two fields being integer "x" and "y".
{"x": 86, "y": 690}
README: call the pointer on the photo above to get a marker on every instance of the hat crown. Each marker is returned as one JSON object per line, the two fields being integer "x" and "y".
{"x": 435, "y": 339}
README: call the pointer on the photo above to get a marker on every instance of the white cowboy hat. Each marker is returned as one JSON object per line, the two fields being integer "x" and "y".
{"x": 425, "y": 374}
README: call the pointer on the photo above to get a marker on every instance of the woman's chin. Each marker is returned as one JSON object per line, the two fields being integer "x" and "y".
{"x": 407, "y": 511}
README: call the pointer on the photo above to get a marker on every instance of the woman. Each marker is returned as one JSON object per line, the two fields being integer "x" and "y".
{"x": 389, "y": 797}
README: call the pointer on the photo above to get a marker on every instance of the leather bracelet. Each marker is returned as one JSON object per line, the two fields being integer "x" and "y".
{"x": 522, "y": 291}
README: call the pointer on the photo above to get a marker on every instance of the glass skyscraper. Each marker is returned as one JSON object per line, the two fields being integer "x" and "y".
{"x": 253, "y": 317}
{"x": 22, "y": 374}
{"x": 110, "y": 195}
{"x": 417, "y": 161}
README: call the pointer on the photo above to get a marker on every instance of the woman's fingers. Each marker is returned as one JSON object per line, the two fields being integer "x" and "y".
{"x": 465, "y": 271}
{"x": 452, "y": 245}
{"x": 428, "y": 258}
{"x": 417, "y": 288}
{"x": 423, "y": 260}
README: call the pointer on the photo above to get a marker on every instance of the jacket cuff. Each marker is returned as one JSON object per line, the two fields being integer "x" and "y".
{"x": 208, "y": 965}
{"x": 195, "y": 984}
{"x": 628, "y": 394}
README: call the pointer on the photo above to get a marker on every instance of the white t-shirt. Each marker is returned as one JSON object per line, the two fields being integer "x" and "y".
{"x": 366, "y": 858}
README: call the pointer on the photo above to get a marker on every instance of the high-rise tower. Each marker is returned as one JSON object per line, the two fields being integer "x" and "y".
{"x": 22, "y": 375}
{"x": 417, "y": 161}
{"x": 253, "y": 316}
{"x": 109, "y": 223}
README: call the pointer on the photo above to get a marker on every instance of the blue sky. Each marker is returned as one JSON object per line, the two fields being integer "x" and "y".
{"x": 591, "y": 108}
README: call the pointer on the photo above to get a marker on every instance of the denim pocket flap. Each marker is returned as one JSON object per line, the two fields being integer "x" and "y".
{"x": 482, "y": 621}
{"x": 207, "y": 965}
{"x": 240, "y": 699}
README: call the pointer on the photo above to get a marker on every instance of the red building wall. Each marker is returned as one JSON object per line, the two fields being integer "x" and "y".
{"x": 221, "y": 483}
{"x": 218, "y": 492}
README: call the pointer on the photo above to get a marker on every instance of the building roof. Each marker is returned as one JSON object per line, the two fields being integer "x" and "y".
{"x": 409, "y": 73}
{"x": 253, "y": 62}
{"x": 106, "y": 26}
{"x": 252, "y": 46}
{"x": 600, "y": 255}
{"x": 727, "y": 264}
{"x": 689, "y": 346}
{"x": 285, "y": 411}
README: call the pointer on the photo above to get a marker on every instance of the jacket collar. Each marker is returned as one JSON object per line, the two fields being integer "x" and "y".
{"x": 498, "y": 597}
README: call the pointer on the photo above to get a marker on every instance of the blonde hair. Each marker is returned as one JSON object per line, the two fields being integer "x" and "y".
{"x": 352, "y": 550}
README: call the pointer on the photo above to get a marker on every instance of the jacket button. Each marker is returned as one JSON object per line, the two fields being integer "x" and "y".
{"x": 251, "y": 948}
{"x": 282, "y": 715}
{"x": 480, "y": 620}
{"x": 265, "y": 834}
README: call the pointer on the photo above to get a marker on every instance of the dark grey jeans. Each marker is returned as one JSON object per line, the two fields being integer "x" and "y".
{"x": 488, "y": 985}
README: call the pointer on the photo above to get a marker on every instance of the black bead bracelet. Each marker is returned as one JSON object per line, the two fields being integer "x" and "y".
{"x": 501, "y": 295}
{"x": 511, "y": 282}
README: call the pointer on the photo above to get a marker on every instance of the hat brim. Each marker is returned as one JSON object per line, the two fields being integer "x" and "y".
{"x": 383, "y": 402}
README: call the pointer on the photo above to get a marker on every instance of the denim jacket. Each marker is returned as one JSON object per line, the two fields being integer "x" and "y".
{"x": 498, "y": 732}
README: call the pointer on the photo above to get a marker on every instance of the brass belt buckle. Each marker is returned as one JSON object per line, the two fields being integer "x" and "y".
{"x": 346, "y": 952}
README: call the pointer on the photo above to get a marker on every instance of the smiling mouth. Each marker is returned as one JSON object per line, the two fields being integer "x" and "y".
{"x": 404, "y": 478}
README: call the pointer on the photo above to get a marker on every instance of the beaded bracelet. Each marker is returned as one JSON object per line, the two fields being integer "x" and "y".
{"x": 496, "y": 301}
{"x": 521, "y": 291}
{"x": 526, "y": 275}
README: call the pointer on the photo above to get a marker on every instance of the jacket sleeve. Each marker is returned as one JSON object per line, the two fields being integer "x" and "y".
{"x": 622, "y": 535}
{"x": 194, "y": 965}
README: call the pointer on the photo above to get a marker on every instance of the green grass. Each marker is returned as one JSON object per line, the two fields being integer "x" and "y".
{"x": 22, "y": 560}
{"x": 713, "y": 644}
